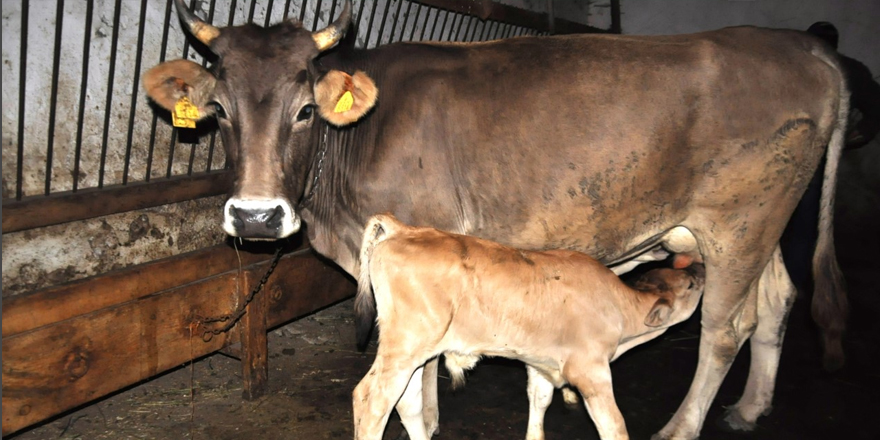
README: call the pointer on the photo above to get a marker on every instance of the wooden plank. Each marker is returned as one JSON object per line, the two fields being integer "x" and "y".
{"x": 254, "y": 341}
{"x": 25, "y": 312}
{"x": 67, "y": 206}
{"x": 63, "y": 365}
{"x": 313, "y": 285}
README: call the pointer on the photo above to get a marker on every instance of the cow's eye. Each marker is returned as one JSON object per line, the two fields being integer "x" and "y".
{"x": 219, "y": 112}
{"x": 306, "y": 113}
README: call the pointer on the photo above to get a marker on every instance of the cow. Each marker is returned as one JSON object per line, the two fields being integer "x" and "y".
{"x": 561, "y": 312}
{"x": 595, "y": 143}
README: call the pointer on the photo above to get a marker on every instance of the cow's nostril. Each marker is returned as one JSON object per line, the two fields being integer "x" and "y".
{"x": 237, "y": 222}
{"x": 274, "y": 221}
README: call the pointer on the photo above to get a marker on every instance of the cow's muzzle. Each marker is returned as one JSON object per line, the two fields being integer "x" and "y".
{"x": 260, "y": 219}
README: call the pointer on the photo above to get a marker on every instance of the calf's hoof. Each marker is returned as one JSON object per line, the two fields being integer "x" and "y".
{"x": 734, "y": 422}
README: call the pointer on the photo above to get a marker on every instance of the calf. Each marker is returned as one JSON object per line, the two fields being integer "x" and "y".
{"x": 562, "y": 313}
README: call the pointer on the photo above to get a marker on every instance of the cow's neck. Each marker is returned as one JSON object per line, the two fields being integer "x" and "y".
{"x": 329, "y": 206}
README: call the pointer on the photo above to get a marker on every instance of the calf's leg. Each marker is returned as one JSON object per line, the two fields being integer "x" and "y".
{"x": 540, "y": 392}
{"x": 592, "y": 378}
{"x": 776, "y": 295}
{"x": 431, "y": 409}
{"x": 378, "y": 392}
{"x": 409, "y": 408}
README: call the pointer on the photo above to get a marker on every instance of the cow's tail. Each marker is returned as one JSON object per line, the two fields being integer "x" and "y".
{"x": 829, "y": 306}
{"x": 378, "y": 228}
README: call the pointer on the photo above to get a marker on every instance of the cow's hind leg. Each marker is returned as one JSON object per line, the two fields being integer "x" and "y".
{"x": 776, "y": 295}
{"x": 540, "y": 392}
{"x": 729, "y": 317}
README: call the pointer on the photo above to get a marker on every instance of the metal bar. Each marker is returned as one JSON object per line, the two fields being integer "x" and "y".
{"x": 394, "y": 23}
{"x": 213, "y": 141}
{"x": 61, "y": 207}
{"x": 174, "y": 130}
{"x": 370, "y": 25}
{"x": 286, "y": 9}
{"x": 405, "y": 22}
{"x": 384, "y": 19}
{"x": 415, "y": 20}
{"x": 251, "y": 13}
{"x": 22, "y": 69}
{"x": 162, "y": 54}
{"x": 461, "y": 26}
{"x": 53, "y": 97}
{"x": 82, "y": 93}
{"x": 268, "y": 13}
{"x": 485, "y": 33}
{"x": 360, "y": 15}
{"x": 425, "y": 27}
{"x": 452, "y": 26}
{"x": 332, "y": 11}
{"x": 134, "y": 90}
{"x": 109, "y": 102}
{"x": 442, "y": 26}
{"x": 302, "y": 12}
{"x": 317, "y": 16}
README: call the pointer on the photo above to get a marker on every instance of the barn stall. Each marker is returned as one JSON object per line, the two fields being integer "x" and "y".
{"x": 114, "y": 267}
{"x": 113, "y": 262}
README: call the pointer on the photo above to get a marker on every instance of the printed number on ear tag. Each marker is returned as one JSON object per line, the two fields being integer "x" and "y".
{"x": 344, "y": 103}
{"x": 185, "y": 114}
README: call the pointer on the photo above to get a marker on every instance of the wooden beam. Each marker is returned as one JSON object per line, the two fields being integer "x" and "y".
{"x": 51, "y": 368}
{"x": 60, "y": 366}
{"x": 62, "y": 207}
{"x": 254, "y": 341}
{"x": 54, "y": 304}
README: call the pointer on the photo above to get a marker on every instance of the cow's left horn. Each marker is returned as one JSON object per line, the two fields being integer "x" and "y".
{"x": 328, "y": 36}
{"x": 203, "y": 32}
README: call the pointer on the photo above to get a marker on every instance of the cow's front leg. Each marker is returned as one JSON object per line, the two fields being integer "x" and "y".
{"x": 728, "y": 319}
{"x": 540, "y": 392}
{"x": 776, "y": 295}
{"x": 377, "y": 393}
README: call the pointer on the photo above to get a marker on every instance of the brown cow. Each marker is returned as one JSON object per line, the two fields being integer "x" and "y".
{"x": 596, "y": 143}
{"x": 564, "y": 314}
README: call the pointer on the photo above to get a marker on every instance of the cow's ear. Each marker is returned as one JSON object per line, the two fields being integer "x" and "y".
{"x": 168, "y": 82}
{"x": 343, "y": 98}
{"x": 659, "y": 314}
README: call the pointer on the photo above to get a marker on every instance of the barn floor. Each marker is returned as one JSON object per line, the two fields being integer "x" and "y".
{"x": 314, "y": 366}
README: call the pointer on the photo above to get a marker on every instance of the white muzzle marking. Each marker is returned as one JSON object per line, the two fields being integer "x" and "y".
{"x": 290, "y": 223}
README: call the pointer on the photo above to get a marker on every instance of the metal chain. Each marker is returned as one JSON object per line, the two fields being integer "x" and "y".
{"x": 232, "y": 318}
{"x": 320, "y": 167}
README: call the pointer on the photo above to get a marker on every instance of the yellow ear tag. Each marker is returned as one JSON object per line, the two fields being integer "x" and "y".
{"x": 185, "y": 114}
{"x": 344, "y": 103}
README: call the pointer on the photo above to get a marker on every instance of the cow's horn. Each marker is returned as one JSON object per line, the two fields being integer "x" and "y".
{"x": 328, "y": 36}
{"x": 203, "y": 32}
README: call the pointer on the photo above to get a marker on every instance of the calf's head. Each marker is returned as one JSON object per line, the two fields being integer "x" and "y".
{"x": 267, "y": 97}
{"x": 678, "y": 292}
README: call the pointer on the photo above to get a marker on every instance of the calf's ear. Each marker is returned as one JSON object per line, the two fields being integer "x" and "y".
{"x": 168, "y": 82}
{"x": 343, "y": 98}
{"x": 659, "y": 314}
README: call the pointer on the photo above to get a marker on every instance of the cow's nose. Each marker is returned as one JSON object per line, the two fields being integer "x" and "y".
{"x": 257, "y": 222}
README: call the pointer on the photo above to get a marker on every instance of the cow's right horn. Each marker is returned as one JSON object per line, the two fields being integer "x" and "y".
{"x": 203, "y": 32}
{"x": 328, "y": 36}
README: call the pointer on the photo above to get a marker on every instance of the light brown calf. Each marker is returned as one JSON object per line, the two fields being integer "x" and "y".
{"x": 561, "y": 312}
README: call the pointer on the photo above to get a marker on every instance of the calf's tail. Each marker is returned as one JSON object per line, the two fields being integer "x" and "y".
{"x": 377, "y": 230}
{"x": 829, "y": 306}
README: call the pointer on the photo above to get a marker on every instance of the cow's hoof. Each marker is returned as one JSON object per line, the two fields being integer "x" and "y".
{"x": 734, "y": 422}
